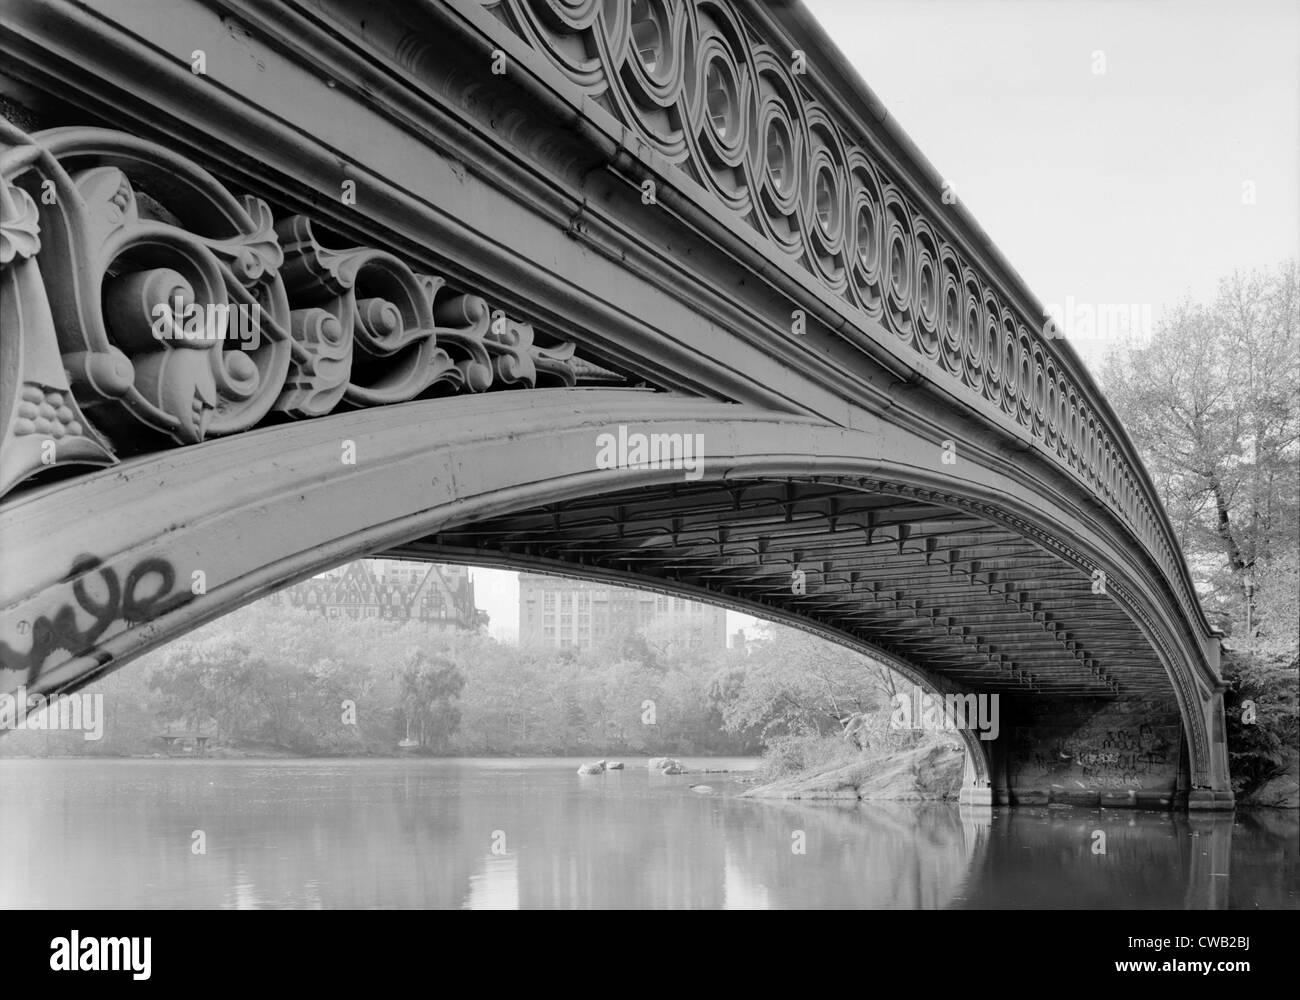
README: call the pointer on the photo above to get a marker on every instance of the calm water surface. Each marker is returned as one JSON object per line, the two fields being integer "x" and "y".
{"x": 421, "y": 833}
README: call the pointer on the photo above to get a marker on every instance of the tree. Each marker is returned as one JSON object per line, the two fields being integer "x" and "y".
{"x": 1273, "y": 634}
{"x": 430, "y": 687}
{"x": 212, "y": 678}
{"x": 793, "y": 683}
{"x": 1211, "y": 403}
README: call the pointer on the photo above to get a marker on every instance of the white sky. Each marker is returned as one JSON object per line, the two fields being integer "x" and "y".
{"x": 1121, "y": 187}
{"x": 1124, "y": 187}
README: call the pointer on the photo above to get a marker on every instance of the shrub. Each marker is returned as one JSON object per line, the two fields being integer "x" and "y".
{"x": 1256, "y": 746}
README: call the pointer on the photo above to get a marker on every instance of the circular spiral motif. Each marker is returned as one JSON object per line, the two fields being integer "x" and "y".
{"x": 929, "y": 292}
{"x": 1051, "y": 404}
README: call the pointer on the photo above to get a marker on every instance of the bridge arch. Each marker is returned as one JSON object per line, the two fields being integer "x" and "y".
{"x": 436, "y": 479}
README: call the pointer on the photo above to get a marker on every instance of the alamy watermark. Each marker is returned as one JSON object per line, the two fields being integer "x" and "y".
{"x": 84, "y": 712}
{"x": 918, "y": 709}
{"x": 75, "y": 953}
{"x": 200, "y": 322}
{"x": 1104, "y": 322}
{"x": 638, "y": 450}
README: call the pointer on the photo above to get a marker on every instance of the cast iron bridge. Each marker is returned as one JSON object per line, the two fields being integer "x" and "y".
{"x": 669, "y": 222}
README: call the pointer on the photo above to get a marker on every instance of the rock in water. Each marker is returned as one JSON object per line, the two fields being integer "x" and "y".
{"x": 703, "y": 789}
{"x": 672, "y": 767}
{"x": 656, "y": 762}
{"x": 614, "y": 765}
{"x": 596, "y": 768}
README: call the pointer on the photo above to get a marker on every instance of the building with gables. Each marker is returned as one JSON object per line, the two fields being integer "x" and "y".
{"x": 391, "y": 589}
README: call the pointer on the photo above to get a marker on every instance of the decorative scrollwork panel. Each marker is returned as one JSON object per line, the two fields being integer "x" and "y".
{"x": 146, "y": 306}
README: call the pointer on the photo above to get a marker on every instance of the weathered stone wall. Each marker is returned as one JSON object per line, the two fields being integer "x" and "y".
{"x": 1095, "y": 752}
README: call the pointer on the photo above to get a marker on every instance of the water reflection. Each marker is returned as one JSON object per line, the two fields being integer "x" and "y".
{"x": 495, "y": 886}
{"x": 1103, "y": 859}
{"x": 532, "y": 834}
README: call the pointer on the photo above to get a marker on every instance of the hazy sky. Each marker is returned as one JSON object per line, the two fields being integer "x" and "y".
{"x": 1129, "y": 186}
{"x": 1123, "y": 186}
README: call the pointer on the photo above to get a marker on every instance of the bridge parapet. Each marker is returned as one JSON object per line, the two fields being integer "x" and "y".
{"x": 758, "y": 119}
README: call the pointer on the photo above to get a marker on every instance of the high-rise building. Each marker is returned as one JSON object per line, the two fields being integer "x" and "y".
{"x": 391, "y": 589}
{"x": 555, "y": 611}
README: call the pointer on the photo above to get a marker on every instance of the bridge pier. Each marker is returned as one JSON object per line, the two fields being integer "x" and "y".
{"x": 1212, "y": 789}
{"x": 1112, "y": 753}
{"x": 1108, "y": 753}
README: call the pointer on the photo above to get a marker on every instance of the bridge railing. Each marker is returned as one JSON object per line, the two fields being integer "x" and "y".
{"x": 760, "y": 114}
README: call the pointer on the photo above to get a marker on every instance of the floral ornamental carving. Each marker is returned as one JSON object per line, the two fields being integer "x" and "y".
{"x": 144, "y": 306}
{"x": 695, "y": 82}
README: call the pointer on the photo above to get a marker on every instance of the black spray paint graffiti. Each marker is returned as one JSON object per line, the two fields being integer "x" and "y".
{"x": 121, "y": 602}
{"x": 1118, "y": 758}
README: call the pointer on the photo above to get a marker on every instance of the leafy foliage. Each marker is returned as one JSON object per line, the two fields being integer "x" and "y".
{"x": 1212, "y": 404}
{"x": 1260, "y": 708}
{"x": 276, "y": 677}
{"x": 794, "y": 684}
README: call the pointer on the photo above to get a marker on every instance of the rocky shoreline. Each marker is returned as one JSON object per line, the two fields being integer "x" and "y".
{"x": 929, "y": 773}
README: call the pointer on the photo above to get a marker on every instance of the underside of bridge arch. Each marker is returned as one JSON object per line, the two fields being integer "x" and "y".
{"x": 972, "y": 601}
{"x": 957, "y": 602}
{"x": 864, "y": 535}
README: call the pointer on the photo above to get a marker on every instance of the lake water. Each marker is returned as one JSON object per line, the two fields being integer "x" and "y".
{"x": 533, "y": 834}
